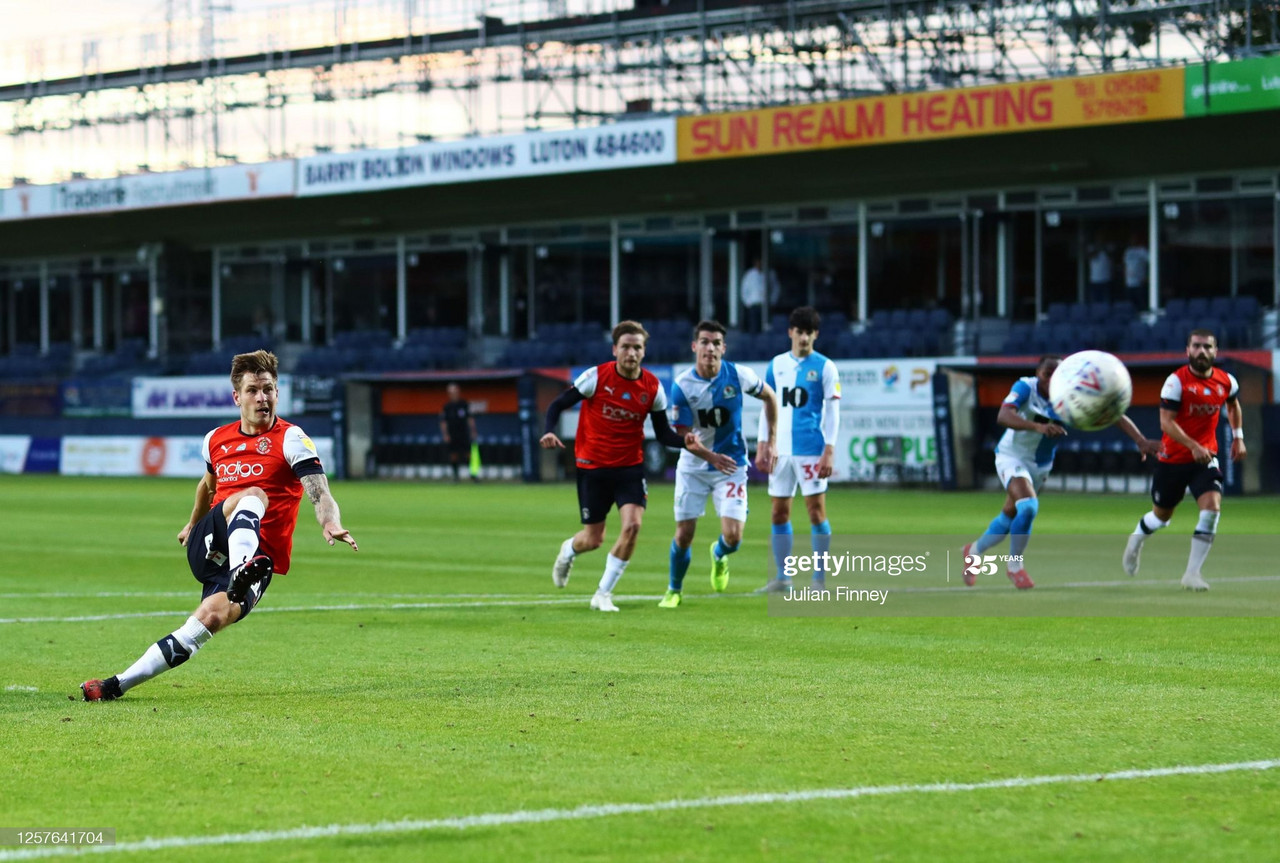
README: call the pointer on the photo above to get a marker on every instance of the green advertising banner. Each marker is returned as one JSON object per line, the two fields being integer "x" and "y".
{"x": 1229, "y": 88}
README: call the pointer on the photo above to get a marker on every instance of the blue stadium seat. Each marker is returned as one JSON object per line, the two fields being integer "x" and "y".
{"x": 1175, "y": 308}
{"x": 1245, "y": 309}
{"x": 1197, "y": 307}
{"x": 1082, "y": 313}
{"x": 1122, "y": 311}
{"x": 1064, "y": 339}
{"x": 1018, "y": 339}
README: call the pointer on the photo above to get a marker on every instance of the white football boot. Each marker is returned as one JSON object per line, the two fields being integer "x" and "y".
{"x": 1133, "y": 553}
{"x": 564, "y": 564}
{"x": 1194, "y": 581}
{"x": 602, "y": 601}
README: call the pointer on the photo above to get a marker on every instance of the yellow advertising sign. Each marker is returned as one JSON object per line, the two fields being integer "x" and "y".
{"x": 1099, "y": 100}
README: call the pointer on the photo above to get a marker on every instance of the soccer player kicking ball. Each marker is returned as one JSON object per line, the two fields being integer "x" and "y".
{"x": 1190, "y": 403}
{"x": 707, "y": 399}
{"x": 1024, "y": 458}
{"x": 808, "y": 388}
{"x": 241, "y": 529}
{"x": 609, "y": 452}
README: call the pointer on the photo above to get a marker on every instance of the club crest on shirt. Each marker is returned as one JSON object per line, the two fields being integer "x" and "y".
{"x": 811, "y": 375}
{"x": 264, "y": 445}
{"x": 644, "y": 398}
{"x": 730, "y": 391}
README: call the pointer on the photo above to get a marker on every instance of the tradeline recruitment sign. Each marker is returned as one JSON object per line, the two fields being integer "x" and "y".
{"x": 1125, "y": 97}
{"x": 141, "y": 191}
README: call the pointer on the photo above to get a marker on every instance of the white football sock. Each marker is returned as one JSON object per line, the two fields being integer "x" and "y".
{"x": 566, "y": 549}
{"x": 613, "y": 569}
{"x": 1151, "y": 523}
{"x": 169, "y": 652}
{"x": 1202, "y": 539}
{"x": 242, "y": 542}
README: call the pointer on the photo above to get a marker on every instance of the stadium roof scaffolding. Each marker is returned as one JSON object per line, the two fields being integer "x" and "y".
{"x": 205, "y": 86}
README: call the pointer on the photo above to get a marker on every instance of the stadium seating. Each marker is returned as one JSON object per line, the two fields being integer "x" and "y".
{"x": 1115, "y": 326}
{"x": 563, "y": 344}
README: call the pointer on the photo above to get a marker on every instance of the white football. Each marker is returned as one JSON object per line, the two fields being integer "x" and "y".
{"x": 1090, "y": 390}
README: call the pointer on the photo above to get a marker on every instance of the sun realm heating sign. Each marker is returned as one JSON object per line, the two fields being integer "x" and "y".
{"x": 603, "y": 148}
{"x": 1062, "y": 103}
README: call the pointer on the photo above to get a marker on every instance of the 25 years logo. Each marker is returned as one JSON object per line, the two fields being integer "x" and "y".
{"x": 987, "y": 564}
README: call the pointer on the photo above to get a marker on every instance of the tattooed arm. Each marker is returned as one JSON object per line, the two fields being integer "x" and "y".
{"x": 317, "y": 487}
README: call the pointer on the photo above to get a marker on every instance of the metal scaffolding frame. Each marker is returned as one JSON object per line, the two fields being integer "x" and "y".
{"x": 209, "y": 87}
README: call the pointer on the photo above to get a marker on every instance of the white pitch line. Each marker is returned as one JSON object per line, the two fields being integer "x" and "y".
{"x": 100, "y": 594}
{"x": 541, "y": 599}
{"x": 143, "y": 594}
{"x": 606, "y": 810}
{"x": 394, "y": 606}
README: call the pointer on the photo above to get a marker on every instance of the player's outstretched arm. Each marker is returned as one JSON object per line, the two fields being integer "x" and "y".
{"x": 1235, "y": 416}
{"x": 317, "y": 487}
{"x": 564, "y": 401}
{"x": 1169, "y": 425}
{"x": 1011, "y": 419}
{"x": 766, "y": 445}
{"x": 1146, "y": 446}
{"x": 204, "y": 497}
{"x": 830, "y": 433}
{"x": 693, "y": 443}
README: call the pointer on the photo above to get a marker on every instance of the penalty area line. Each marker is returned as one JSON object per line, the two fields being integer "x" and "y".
{"x": 606, "y": 810}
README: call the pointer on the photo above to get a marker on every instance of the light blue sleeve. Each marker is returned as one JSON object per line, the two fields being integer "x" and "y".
{"x": 680, "y": 413}
{"x": 749, "y": 380}
{"x": 1018, "y": 395}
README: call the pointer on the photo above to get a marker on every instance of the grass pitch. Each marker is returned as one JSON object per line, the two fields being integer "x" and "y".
{"x": 437, "y": 674}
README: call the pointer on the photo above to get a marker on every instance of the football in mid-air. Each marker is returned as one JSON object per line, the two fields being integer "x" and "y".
{"x": 1090, "y": 390}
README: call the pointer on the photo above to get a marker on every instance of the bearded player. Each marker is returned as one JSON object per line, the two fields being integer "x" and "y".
{"x": 241, "y": 528}
{"x": 1190, "y": 403}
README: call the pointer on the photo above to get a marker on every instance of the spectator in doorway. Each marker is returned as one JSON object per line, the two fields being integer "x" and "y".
{"x": 752, "y": 295}
{"x": 1100, "y": 272}
{"x": 1137, "y": 263}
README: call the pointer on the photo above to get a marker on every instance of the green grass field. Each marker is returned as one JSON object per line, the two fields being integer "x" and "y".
{"x": 437, "y": 674}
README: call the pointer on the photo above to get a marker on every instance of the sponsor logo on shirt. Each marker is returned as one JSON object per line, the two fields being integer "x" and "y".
{"x": 229, "y": 471}
{"x": 619, "y": 414}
